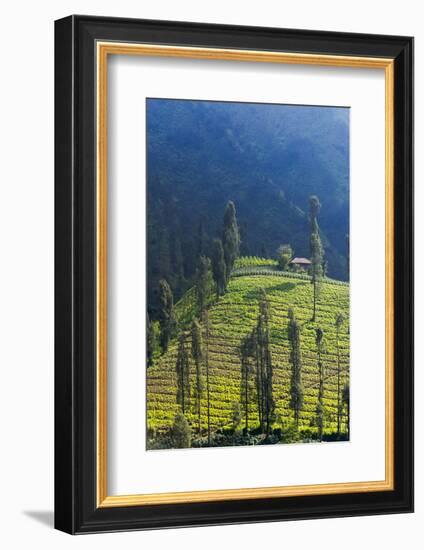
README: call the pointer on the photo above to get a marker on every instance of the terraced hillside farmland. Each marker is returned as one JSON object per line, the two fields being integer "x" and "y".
{"x": 233, "y": 317}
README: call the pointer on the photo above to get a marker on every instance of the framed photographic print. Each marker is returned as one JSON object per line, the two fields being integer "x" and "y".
{"x": 234, "y": 269}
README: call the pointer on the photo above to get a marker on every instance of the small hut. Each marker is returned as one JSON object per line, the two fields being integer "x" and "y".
{"x": 300, "y": 264}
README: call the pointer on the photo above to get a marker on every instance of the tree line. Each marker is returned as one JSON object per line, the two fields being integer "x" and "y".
{"x": 256, "y": 373}
{"x": 214, "y": 271}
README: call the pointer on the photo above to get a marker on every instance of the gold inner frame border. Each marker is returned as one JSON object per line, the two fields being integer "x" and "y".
{"x": 103, "y": 50}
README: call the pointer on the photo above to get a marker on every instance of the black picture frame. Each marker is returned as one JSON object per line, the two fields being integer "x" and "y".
{"x": 76, "y": 510}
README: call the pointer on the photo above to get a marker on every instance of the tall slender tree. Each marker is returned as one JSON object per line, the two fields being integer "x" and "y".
{"x": 149, "y": 340}
{"x": 296, "y": 385}
{"x": 259, "y": 374}
{"x": 264, "y": 337}
{"x": 319, "y": 334}
{"x": 197, "y": 354}
{"x": 260, "y": 342}
{"x": 317, "y": 252}
{"x": 166, "y": 314}
{"x": 219, "y": 268}
{"x": 203, "y": 282}
{"x": 230, "y": 238}
{"x": 246, "y": 371}
{"x": 339, "y": 322}
{"x": 206, "y": 324}
{"x": 153, "y": 341}
{"x": 314, "y": 208}
{"x": 346, "y": 405}
{"x": 182, "y": 368}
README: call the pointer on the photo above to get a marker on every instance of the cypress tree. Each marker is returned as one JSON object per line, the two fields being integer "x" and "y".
{"x": 149, "y": 339}
{"x": 320, "y": 406}
{"x": 166, "y": 314}
{"x": 153, "y": 339}
{"x": 246, "y": 352}
{"x": 203, "y": 282}
{"x": 267, "y": 360}
{"x": 339, "y": 322}
{"x": 206, "y": 356}
{"x": 259, "y": 376}
{"x": 317, "y": 253}
{"x": 346, "y": 404}
{"x": 296, "y": 385}
{"x": 219, "y": 268}
{"x": 314, "y": 208}
{"x": 182, "y": 368}
{"x": 230, "y": 238}
{"x": 260, "y": 339}
{"x": 197, "y": 354}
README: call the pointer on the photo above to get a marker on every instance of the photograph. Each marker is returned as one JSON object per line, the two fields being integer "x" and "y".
{"x": 247, "y": 239}
{"x": 234, "y": 268}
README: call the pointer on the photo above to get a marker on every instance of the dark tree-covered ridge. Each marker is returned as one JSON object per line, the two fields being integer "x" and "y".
{"x": 267, "y": 159}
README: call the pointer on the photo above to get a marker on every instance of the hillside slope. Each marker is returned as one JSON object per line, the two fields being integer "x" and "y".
{"x": 232, "y": 318}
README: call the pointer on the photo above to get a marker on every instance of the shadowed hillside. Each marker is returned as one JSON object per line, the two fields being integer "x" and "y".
{"x": 268, "y": 159}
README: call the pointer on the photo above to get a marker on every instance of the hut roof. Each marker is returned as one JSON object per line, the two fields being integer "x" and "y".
{"x": 301, "y": 261}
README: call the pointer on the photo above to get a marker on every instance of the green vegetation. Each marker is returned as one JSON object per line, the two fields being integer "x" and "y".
{"x": 296, "y": 385}
{"x": 166, "y": 314}
{"x": 197, "y": 354}
{"x": 317, "y": 252}
{"x": 320, "y": 406}
{"x": 231, "y": 320}
{"x": 182, "y": 368}
{"x": 254, "y": 261}
{"x": 180, "y": 432}
{"x": 284, "y": 256}
{"x": 247, "y": 334}
{"x": 153, "y": 341}
{"x": 230, "y": 238}
{"x": 219, "y": 268}
{"x": 203, "y": 282}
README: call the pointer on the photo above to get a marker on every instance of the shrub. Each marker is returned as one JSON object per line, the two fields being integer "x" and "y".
{"x": 284, "y": 256}
{"x": 181, "y": 432}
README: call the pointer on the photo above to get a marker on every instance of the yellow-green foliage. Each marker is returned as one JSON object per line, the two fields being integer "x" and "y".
{"x": 250, "y": 261}
{"x": 232, "y": 318}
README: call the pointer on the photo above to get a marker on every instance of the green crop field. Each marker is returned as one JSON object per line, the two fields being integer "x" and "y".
{"x": 231, "y": 318}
